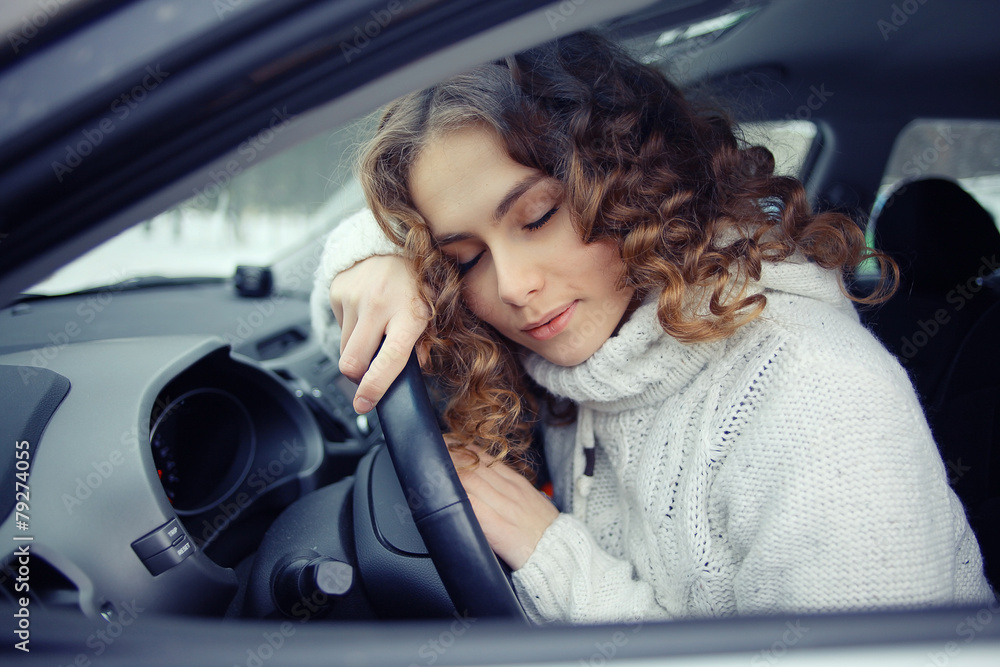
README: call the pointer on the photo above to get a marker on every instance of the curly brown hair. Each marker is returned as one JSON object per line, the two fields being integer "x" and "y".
{"x": 693, "y": 211}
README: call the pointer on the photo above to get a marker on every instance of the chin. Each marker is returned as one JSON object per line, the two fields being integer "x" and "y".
{"x": 566, "y": 354}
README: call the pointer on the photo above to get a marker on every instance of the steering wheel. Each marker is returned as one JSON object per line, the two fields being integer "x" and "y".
{"x": 443, "y": 515}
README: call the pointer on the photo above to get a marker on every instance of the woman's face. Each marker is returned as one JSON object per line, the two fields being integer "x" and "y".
{"x": 526, "y": 271}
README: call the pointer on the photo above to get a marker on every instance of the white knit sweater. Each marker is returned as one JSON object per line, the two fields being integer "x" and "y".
{"x": 787, "y": 468}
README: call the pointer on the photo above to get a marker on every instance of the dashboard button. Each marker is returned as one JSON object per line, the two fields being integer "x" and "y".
{"x": 158, "y": 540}
{"x": 170, "y": 557}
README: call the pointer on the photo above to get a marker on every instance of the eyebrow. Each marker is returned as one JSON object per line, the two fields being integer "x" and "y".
{"x": 502, "y": 208}
{"x": 515, "y": 193}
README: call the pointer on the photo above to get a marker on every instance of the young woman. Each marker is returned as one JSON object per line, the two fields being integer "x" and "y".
{"x": 565, "y": 225}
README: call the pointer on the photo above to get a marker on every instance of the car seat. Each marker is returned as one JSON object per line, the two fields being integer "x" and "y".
{"x": 942, "y": 323}
{"x": 967, "y": 417}
{"x": 946, "y": 244}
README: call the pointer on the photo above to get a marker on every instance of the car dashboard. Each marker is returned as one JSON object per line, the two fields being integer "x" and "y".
{"x": 193, "y": 416}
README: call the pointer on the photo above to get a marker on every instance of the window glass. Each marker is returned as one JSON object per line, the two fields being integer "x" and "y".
{"x": 254, "y": 212}
{"x": 788, "y": 140}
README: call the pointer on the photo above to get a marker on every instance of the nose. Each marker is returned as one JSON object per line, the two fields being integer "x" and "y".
{"x": 518, "y": 278}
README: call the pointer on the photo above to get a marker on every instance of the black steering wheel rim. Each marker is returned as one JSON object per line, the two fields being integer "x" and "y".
{"x": 442, "y": 513}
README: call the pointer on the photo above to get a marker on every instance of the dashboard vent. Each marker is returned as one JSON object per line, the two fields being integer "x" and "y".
{"x": 280, "y": 344}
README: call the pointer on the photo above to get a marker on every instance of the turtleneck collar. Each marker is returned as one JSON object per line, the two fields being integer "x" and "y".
{"x": 643, "y": 365}
{"x": 639, "y": 366}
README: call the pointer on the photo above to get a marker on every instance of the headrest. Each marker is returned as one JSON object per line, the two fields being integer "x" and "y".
{"x": 937, "y": 232}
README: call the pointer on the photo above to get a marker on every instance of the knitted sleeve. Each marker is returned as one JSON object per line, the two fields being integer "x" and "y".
{"x": 836, "y": 498}
{"x": 570, "y": 578}
{"x": 356, "y": 238}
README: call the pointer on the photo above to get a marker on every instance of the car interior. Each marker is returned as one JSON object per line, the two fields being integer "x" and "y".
{"x": 193, "y": 451}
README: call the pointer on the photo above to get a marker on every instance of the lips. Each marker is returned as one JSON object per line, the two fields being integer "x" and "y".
{"x": 554, "y": 325}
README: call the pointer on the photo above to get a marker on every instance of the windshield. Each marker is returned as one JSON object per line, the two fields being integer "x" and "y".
{"x": 261, "y": 214}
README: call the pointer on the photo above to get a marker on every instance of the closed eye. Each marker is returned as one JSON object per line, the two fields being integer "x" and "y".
{"x": 532, "y": 226}
{"x": 467, "y": 266}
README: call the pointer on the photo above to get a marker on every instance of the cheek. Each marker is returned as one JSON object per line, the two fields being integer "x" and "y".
{"x": 476, "y": 297}
{"x": 607, "y": 261}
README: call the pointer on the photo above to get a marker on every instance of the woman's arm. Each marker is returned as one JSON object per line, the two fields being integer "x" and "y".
{"x": 845, "y": 503}
{"x": 512, "y": 512}
{"x": 560, "y": 572}
{"x": 569, "y": 578}
{"x": 364, "y": 282}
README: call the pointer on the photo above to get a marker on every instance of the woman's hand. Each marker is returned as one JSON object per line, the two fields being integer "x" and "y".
{"x": 512, "y": 513}
{"x": 375, "y": 297}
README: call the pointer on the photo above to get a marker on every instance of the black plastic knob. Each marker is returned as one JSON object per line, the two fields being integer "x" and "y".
{"x": 328, "y": 575}
{"x": 310, "y": 582}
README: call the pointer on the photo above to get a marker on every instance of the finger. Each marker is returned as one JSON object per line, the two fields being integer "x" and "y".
{"x": 505, "y": 471}
{"x": 349, "y": 322}
{"x": 386, "y": 366}
{"x": 513, "y": 539}
{"x": 504, "y": 479}
{"x": 494, "y": 488}
{"x": 336, "y": 304}
{"x": 360, "y": 348}
{"x": 490, "y": 521}
{"x": 502, "y": 470}
{"x": 491, "y": 515}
